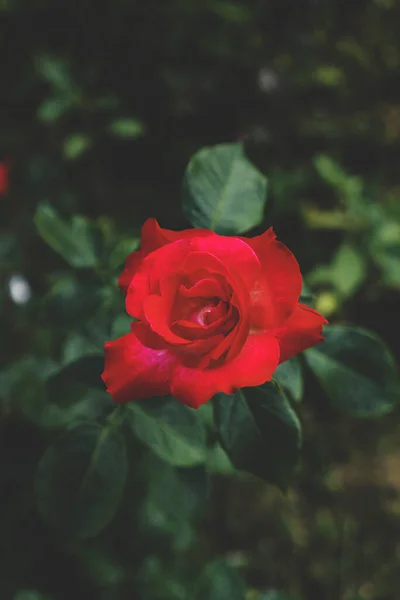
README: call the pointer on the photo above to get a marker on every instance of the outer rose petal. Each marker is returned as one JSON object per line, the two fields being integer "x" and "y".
{"x": 276, "y": 293}
{"x": 254, "y": 365}
{"x": 260, "y": 242}
{"x": 133, "y": 371}
{"x": 132, "y": 263}
{"x": 302, "y": 330}
{"x": 153, "y": 237}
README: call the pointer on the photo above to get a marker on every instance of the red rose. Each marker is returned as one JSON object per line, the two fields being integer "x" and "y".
{"x": 3, "y": 178}
{"x": 214, "y": 314}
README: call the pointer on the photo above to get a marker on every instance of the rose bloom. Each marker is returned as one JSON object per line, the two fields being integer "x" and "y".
{"x": 213, "y": 314}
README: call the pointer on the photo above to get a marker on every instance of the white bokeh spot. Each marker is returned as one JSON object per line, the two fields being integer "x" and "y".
{"x": 19, "y": 289}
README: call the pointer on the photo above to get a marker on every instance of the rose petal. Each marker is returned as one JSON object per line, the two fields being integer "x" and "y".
{"x": 160, "y": 264}
{"x": 132, "y": 263}
{"x": 157, "y": 310}
{"x": 198, "y": 351}
{"x": 302, "y": 330}
{"x": 153, "y": 237}
{"x": 223, "y": 323}
{"x": 234, "y": 254}
{"x": 260, "y": 242}
{"x": 233, "y": 342}
{"x": 133, "y": 371}
{"x": 254, "y": 365}
{"x": 276, "y": 292}
{"x": 205, "y": 288}
{"x": 147, "y": 337}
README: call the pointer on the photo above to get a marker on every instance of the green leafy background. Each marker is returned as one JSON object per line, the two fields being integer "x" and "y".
{"x": 234, "y": 116}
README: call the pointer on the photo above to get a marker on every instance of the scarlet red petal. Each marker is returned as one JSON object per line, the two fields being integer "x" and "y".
{"x": 132, "y": 263}
{"x": 235, "y": 254}
{"x": 198, "y": 351}
{"x": 155, "y": 267}
{"x": 276, "y": 293}
{"x": 302, "y": 330}
{"x": 233, "y": 278}
{"x": 153, "y": 236}
{"x": 133, "y": 371}
{"x": 232, "y": 343}
{"x": 193, "y": 330}
{"x": 147, "y": 337}
{"x": 254, "y": 365}
{"x": 205, "y": 288}
{"x": 157, "y": 310}
{"x": 260, "y": 242}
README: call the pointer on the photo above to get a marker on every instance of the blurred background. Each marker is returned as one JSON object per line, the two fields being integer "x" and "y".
{"x": 101, "y": 109}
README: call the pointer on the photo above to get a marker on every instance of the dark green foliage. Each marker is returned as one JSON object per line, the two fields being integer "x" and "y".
{"x": 356, "y": 370}
{"x": 81, "y": 478}
{"x": 260, "y": 432}
{"x": 222, "y": 191}
{"x": 173, "y": 431}
{"x": 289, "y": 375}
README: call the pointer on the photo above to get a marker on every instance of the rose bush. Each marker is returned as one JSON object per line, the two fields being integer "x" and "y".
{"x": 213, "y": 314}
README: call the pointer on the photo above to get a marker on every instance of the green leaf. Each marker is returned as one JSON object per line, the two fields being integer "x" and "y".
{"x": 346, "y": 272}
{"x": 289, "y": 375}
{"x": 218, "y": 461}
{"x": 385, "y": 251}
{"x": 356, "y": 370}
{"x": 349, "y": 189}
{"x": 33, "y": 386}
{"x": 121, "y": 326}
{"x": 72, "y": 300}
{"x": 173, "y": 497}
{"x": 23, "y": 384}
{"x": 81, "y": 478}
{"x": 119, "y": 253}
{"x": 348, "y": 186}
{"x": 75, "y": 144}
{"x": 21, "y": 379}
{"x": 348, "y": 269}
{"x": 73, "y": 386}
{"x": 52, "y": 109}
{"x": 172, "y": 430}
{"x": 73, "y": 241}
{"x": 260, "y": 432}
{"x": 220, "y": 581}
{"x": 56, "y": 72}
{"x": 223, "y": 191}
{"x": 127, "y": 128}
{"x": 329, "y": 75}
{"x": 77, "y": 346}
